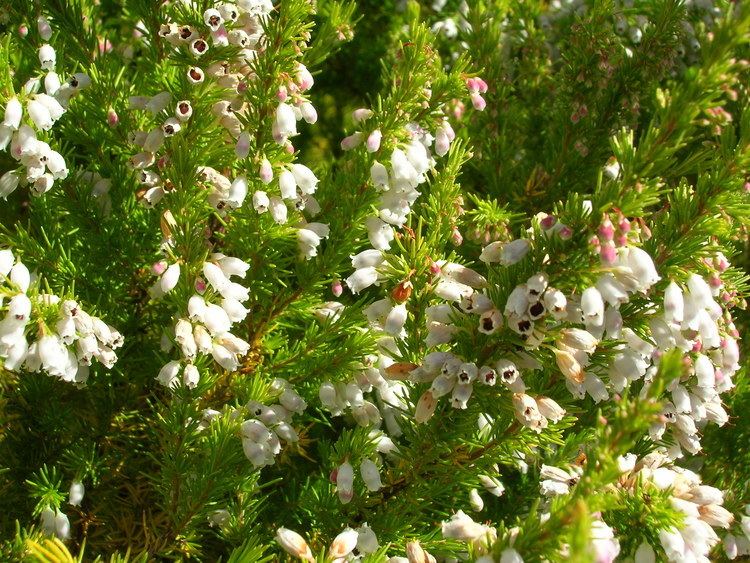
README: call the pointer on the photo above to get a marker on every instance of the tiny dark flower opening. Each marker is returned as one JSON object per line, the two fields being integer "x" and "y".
{"x": 195, "y": 74}
{"x": 73, "y": 82}
{"x": 185, "y": 32}
{"x": 508, "y": 374}
{"x": 200, "y": 46}
{"x": 20, "y": 317}
{"x": 214, "y": 21}
{"x": 184, "y": 108}
{"x": 490, "y": 377}
{"x": 524, "y": 326}
{"x": 537, "y": 309}
{"x": 169, "y": 129}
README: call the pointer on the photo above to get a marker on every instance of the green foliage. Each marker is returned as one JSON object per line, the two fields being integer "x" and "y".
{"x": 568, "y": 96}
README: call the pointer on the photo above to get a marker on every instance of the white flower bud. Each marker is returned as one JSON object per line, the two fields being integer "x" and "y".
{"x": 345, "y": 482}
{"x": 309, "y": 114}
{"x": 379, "y": 175}
{"x": 168, "y": 374}
{"x": 373, "y": 141}
{"x": 75, "y": 495}
{"x": 13, "y": 113}
{"x": 294, "y": 544}
{"x": 370, "y": 475}
{"x": 285, "y": 124}
{"x": 47, "y": 57}
{"x": 191, "y": 376}
{"x": 592, "y": 306}
{"x": 396, "y": 319}
{"x": 550, "y": 409}
{"x": 51, "y": 83}
{"x": 462, "y": 527}
{"x": 569, "y": 365}
{"x": 343, "y": 544}
{"x": 361, "y": 279}
{"x": 278, "y": 210}
{"x": 8, "y": 183}
{"x": 367, "y": 542}
{"x": 287, "y": 185}
{"x": 216, "y": 319}
{"x": 304, "y": 178}
{"x": 475, "y": 500}
{"x": 62, "y": 526}
{"x": 506, "y": 254}
{"x": 40, "y": 115}
{"x": 579, "y": 339}
{"x": 170, "y": 278}
{"x": 237, "y": 192}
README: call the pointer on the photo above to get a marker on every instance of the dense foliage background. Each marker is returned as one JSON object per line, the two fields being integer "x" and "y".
{"x": 635, "y": 110}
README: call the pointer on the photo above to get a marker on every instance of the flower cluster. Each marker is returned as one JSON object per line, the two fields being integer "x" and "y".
{"x": 699, "y": 504}
{"x": 375, "y": 376}
{"x": 40, "y": 165}
{"x": 343, "y": 477}
{"x": 261, "y": 434}
{"x": 67, "y": 340}
{"x": 211, "y": 312}
{"x": 349, "y": 545}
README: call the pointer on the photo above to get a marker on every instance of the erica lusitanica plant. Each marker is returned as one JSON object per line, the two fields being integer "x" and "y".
{"x": 374, "y": 281}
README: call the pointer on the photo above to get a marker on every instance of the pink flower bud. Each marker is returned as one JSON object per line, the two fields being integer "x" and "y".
{"x": 594, "y": 241}
{"x": 458, "y": 110}
{"x": 200, "y": 285}
{"x": 23, "y": 30}
{"x": 281, "y": 94}
{"x": 266, "y": 171}
{"x": 478, "y": 101}
{"x": 548, "y": 222}
{"x": 624, "y": 225}
{"x": 607, "y": 229}
{"x": 434, "y": 268}
{"x": 565, "y": 233}
{"x": 158, "y": 268}
{"x": 456, "y": 237}
{"x": 304, "y": 78}
{"x": 697, "y": 346}
{"x": 336, "y": 288}
{"x": 112, "y": 118}
{"x": 289, "y": 147}
{"x": 622, "y": 240}
{"x": 608, "y": 253}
